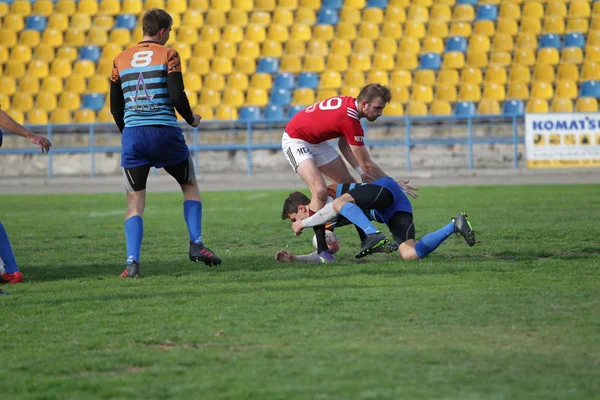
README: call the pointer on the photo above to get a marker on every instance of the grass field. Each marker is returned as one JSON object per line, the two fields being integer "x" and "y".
{"x": 515, "y": 317}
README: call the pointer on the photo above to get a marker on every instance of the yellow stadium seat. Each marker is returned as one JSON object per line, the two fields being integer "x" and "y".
{"x": 22, "y": 7}
{"x": 580, "y": 9}
{"x": 238, "y": 81}
{"x": 51, "y": 37}
{"x": 501, "y": 58}
{"x": 548, "y": 55}
{"x": 484, "y": 27}
{"x": 184, "y": 50}
{"x": 510, "y": 10}
{"x": 407, "y": 61}
{"x": 410, "y": 45}
{"x": 246, "y": 65}
{"x": 37, "y": 69}
{"x": 525, "y": 57}
{"x": 503, "y": 42}
{"x": 493, "y": 91}
{"x": 52, "y": 84}
{"x": 225, "y": 113}
{"x": 554, "y": 25}
{"x": 85, "y": 68}
{"x": 488, "y": 107}
{"x": 372, "y": 15}
{"x": 448, "y": 77}
{"x": 214, "y": 81}
{"x": 259, "y": 18}
{"x": 60, "y": 116}
{"x": 111, "y": 7}
{"x": 244, "y": 5}
{"x": 283, "y": 17}
{"x": 107, "y": 22}
{"x": 478, "y": 59}
{"x": 527, "y": 40}
{"x": 469, "y": 92}
{"x": 3, "y": 54}
{"x": 303, "y": 97}
{"x": 519, "y": 74}
{"x": 566, "y": 89}
{"x": 533, "y": 9}
{"x": 203, "y": 49}
{"x": 68, "y": 53}
{"x": 395, "y": 14}
{"x": 42, "y": 52}
{"x": 270, "y": 48}
{"x": 226, "y": 49}
{"x": 368, "y": 30}
{"x": 379, "y": 76}
{"x": 463, "y": 13}
{"x": 416, "y": 109}
{"x": 216, "y": 18}
{"x": 17, "y": 115}
{"x": 67, "y": 7}
{"x": 386, "y": 45}
{"x": 414, "y": 29}
{"x": 75, "y": 84}
{"x": 392, "y": 30}
{"x": 354, "y": 78}
{"x": 134, "y": 7}
{"x": 233, "y": 97}
{"x": 350, "y": 91}
{"x": 43, "y": 7}
{"x": 393, "y": 109}
{"x": 96, "y": 36}
{"x": 207, "y": 33}
{"x": 295, "y": 48}
{"x": 593, "y": 38}
{"x": 291, "y": 64}
{"x": 509, "y": 26}
{"x": 330, "y": 80}
{"x": 22, "y": 101}
{"x": 337, "y": 62}
{"x": 424, "y": 77}
{"x": 195, "y": 19}
{"x": 20, "y": 53}
{"x": 496, "y": 74}
{"x": 578, "y": 25}
{"x": 561, "y": 105}
{"x": 221, "y": 65}
{"x": 311, "y": 4}
{"x": 176, "y": 6}
{"x": 592, "y": 53}
{"x": 210, "y": 97}
{"x": 421, "y": 93}
{"x": 186, "y": 34}
{"x": 567, "y": 71}
{"x": 440, "y": 12}
{"x": 289, "y": 4}
{"x": 14, "y": 69}
{"x": 37, "y": 117}
{"x": 542, "y": 90}
{"x": 350, "y": 15}
{"x": 453, "y": 59}
{"x": 84, "y": 116}
{"x": 471, "y": 75}
{"x": 340, "y": 47}
{"x": 440, "y": 108}
{"x": 432, "y": 44}
{"x": 75, "y": 37}
{"x": 100, "y": 84}
{"x": 355, "y": 3}
{"x": 199, "y": 65}
{"x": 359, "y": 62}
{"x": 261, "y": 81}
{"x": 148, "y": 4}
{"x": 586, "y": 104}
{"x": 323, "y": 94}
{"x": 30, "y": 38}
{"x": 415, "y": 13}
{"x": 556, "y": 8}
{"x": 104, "y": 116}
{"x": 278, "y": 32}
{"x": 363, "y": 46}
{"x": 137, "y": 35}
{"x": 8, "y": 86}
{"x": 445, "y": 92}
{"x": 383, "y": 61}
{"x": 15, "y": 22}
{"x": 5, "y": 99}
{"x": 323, "y": 32}
{"x": 89, "y": 7}
{"x": 479, "y": 42}
{"x": 462, "y": 29}
{"x": 104, "y": 67}
{"x": 400, "y": 78}
{"x": 46, "y": 101}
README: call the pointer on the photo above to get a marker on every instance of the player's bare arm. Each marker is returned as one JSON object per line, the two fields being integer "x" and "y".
{"x": 6, "y": 122}
{"x": 371, "y": 169}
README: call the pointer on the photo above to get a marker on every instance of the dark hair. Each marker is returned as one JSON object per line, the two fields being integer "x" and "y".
{"x": 154, "y": 20}
{"x": 373, "y": 91}
{"x": 290, "y": 205}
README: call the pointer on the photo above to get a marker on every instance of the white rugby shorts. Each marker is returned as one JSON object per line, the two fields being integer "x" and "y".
{"x": 297, "y": 150}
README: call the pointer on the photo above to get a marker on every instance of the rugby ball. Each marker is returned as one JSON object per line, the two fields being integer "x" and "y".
{"x": 333, "y": 242}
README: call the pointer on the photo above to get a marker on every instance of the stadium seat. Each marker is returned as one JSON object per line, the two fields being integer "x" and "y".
{"x": 430, "y": 61}
{"x": 484, "y": 27}
{"x": 407, "y": 61}
{"x": 446, "y": 92}
{"x": 17, "y": 115}
{"x": 37, "y": 69}
{"x": 493, "y": 91}
{"x": 416, "y": 109}
{"x": 350, "y": 15}
{"x": 574, "y": 40}
{"x": 248, "y": 114}
{"x": 293, "y": 110}
{"x": 89, "y": 7}
{"x": 30, "y": 38}
{"x": 84, "y": 116}
{"x": 233, "y": 97}
{"x": 548, "y": 55}
{"x": 354, "y": 78}
{"x": 590, "y": 88}
{"x": 261, "y": 81}
{"x": 383, "y": 62}
{"x": 91, "y": 53}
{"x": 510, "y": 26}
{"x": 67, "y": 7}
{"x": 43, "y": 8}
{"x": 553, "y": 24}
{"x": 525, "y": 57}
{"x": 414, "y": 29}
{"x": 432, "y": 44}
{"x": 303, "y": 96}
{"x": 496, "y": 74}
{"x": 561, "y": 105}
{"x": 456, "y": 43}
{"x": 487, "y": 12}
{"x": 51, "y": 84}
{"x": 95, "y": 36}
{"x": 330, "y": 80}
{"x": 281, "y": 97}
{"x": 471, "y": 75}
{"x": 400, "y": 94}
{"x": 488, "y": 107}
{"x": 60, "y": 116}
{"x": 542, "y": 90}
{"x": 448, "y": 76}
{"x": 469, "y": 92}
{"x": 567, "y": 71}
{"x": 37, "y": 117}
{"x": 586, "y": 104}
{"x": 8, "y": 86}
{"x": 520, "y": 74}
{"x": 415, "y": 13}
{"x": 392, "y": 30}
{"x": 463, "y": 13}
{"x": 440, "y": 12}
{"x": 566, "y": 89}
{"x": 543, "y": 72}
{"x": 513, "y": 107}
{"x": 337, "y": 62}
{"x": 364, "y": 46}
{"x": 423, "y": 77}
{"x": 14, "y": 69}
{"x": 440, "y": 108}
{"x": 580, "y": 25}
{"x": 421, "y": 93}
{"x": 93, "y": 101}
{"x": 589, "y": 71}
{"x": 550, "y": 40}
{"x": 579, "y": 9}
{"x": 134, "y": 7}
{"x": 100, "y": 83}
{"x": 327, "y": 16}
{"x": 503, "y": 42}
{"x": 210, "y": 97}
{"x": 36, "y": 23}
{"x": 271, "y": 65}
{"x": 226, "y": 49}
{"x": 501, "y": 58}
{"x": 22, "y": 101}
{"x": 214, "y": 81}
{"x": 359, "y": 62}
{"x": 20, "y": 53}
{"x": 453, "y": 59}
{"x": 125, "y": 21}
{"x": 518, "y": 91}
{"x": 526, "y": 41}
{"x": 308, "y": 80}
{"x": 393, "y": 109}
{"x": 464, "y": 109}
{"x": 75, "y": 38}
{"x": 199, "y": 65}
{"x": 510, "y": 10}
{"x": 273, "y": 113}
{"x": 479, "y": 42}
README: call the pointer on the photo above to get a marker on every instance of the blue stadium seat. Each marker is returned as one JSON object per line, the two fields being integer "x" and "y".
{"x": 89, "y": 53}
{"x": 465, "y": 109}
{"x": 512, "y": 107}
{"x": 377, "y": 3}
{"x": 273, "y": 112}
{"x": 94, "y": 101}
{"x": 337, "y": 4}
{"x": 327, "y": 16}
{"x": 268, "y": 65}
{"x": 285, "y": 80}
{"x": 308, "y": 80}
{"x": 430, "y": 61}
{"x": 550, "y": 40}
{"x": 574, "y": 40}
{"x": 471, "y": 2}
{"x": 293, "y": 110}
{"x": 126, "y": 21}
{"x": 590, "y": 89}
{"x": 250, "y": 113}
{"x": 36, "y": 23}
{"x": 456, "y": 43}
{"x": 281, "y": 97}
{"x": 487, "y": 12}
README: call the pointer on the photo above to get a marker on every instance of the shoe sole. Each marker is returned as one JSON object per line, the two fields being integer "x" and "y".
{"x": 469, "y": 236}
{"x": 214, "y": 263}
{"x": 371, "y": 249}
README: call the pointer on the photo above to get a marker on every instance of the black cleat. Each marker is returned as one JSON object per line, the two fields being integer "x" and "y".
{"x": 370, "y": 243}
{"x": 199, "y": 252}
{"x": 388, "y": 248}
{"x": 132, "y": 271}
{"x": 462, "y": 226}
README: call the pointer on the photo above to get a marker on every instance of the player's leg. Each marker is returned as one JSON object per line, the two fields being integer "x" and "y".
{"x": 135, "y": 186}
{"x": 184, "y": 173}
{"x": 11, "y": 269}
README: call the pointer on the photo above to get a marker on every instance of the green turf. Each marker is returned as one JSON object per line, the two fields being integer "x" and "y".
{"x": 516, "y": 317}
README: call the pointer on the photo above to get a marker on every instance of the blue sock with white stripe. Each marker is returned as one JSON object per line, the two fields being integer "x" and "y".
{"x": 355, "y": 215}
{"x": 6, "y": 253}
{"x": 432, "y": 240}
{"x": 192, "y": 212}
{"x": 134, "y": 232}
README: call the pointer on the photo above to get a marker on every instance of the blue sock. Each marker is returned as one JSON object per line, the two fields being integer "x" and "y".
{"x": 134, "y": 231}
{"x": 432, "y": 240}
{"x": 357, "y": 217}
{"x": 6, "y": 253}
{"x": 192, "y": 212}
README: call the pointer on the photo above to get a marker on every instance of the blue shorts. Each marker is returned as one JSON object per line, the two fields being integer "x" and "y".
{"x": 401, "y": 202}
{"x": 0, "y": 137}
{"x": 157, "y": 145}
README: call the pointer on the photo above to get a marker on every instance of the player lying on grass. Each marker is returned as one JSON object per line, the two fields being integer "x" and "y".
{"x": 11, "y": 273}
{"x": 387, "y": 202}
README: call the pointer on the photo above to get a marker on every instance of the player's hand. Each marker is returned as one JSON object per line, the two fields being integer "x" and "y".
{"x": 297, "y": 227}
{"x": 366, "y": 178}
{"x": 284, "y": 256}
{"x": 40, "y": 141}
{"x": 409, "y": 190}
{"x": 197, "y": 119}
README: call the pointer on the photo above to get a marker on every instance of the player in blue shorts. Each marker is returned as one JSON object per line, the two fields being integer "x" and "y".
{"x": 146, "y": 88}
{"x": 12, "y": 274}
{"x": 385, "y": 200}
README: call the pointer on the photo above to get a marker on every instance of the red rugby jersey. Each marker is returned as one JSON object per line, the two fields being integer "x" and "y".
{"x": 328, "y": 119}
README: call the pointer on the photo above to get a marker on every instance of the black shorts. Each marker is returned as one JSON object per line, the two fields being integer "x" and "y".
{"x": 136, "y": 177}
